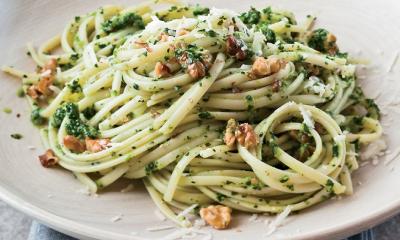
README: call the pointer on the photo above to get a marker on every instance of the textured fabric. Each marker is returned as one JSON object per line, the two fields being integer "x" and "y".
{"x": 41, "y": 232}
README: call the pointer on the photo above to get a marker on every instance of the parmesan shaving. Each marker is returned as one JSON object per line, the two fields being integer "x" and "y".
{"x": 116, "y": 218}
{"x": 315, "y": 85}
{"x": 391, "y": 156}
{"x": 128, "y": 188}
{"x": 46, "y": 73}
{"x": 254, "y": 218}
{"x": 306, "y": 117}
{"x": 340, "y": 138}
{"x": 393, "y": 63}
{"x": 278, "y": 221}
{"x": 159, "y": 215}
{"x": 373, "y": 149}
{"x": 159, "y": 228}
{"x": 187, "y": 211}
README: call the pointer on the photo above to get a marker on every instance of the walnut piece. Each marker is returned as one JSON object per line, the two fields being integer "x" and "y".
{"x": 181, "y": 32}
{"x": 276, "y": 85}
{"x": 96, "y": 145}
{"x": 217, "y": 216}
{"x": 264, "y": 67}
{"x": 74, "y": 144}
{"x": 234, "y": 48}
{"x": 246, "y": 136}
{"x": 48, "y": 159}
{"x": 141, "y": 44}
{"x": 197, "y": 70}
{"x": 50, "y": 65}
{"x": 32, "y": 92}
{"x": 164, "y": 37}
{"x": 229, "y": 137}
{"x": 330, "y": 44}
{"x": 44, "y": 84}
{"x": 46, "y": 80}
{"x": 162, "y": 70}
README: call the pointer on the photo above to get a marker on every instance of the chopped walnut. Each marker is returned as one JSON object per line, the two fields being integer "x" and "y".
{"x": 46, "y": 80}
{"x": 207, "y": 59}
{"x": 234, "y": 48}
{"x": 217, "y": 216}
{"x": 74, "y": 144}
{"x": 276, "y": 85}
{"x": 50, "y": 65}
{"x": 312, "y": 69}
{"x": 181, "y": 32}
{"x": 330, "y": 44}
{"x": 48, "y": 159}
{"x": 319, "y": 128}
{"x": 154, "y": 113}
{"x": 141, "y": 44}
{"x": 229, "y": 137}
{"x": 254, "y": 181}
{"x": 32, "y": 92}
{"x": 197, "y": 70}
{"x": 162, "y": 70}
{"x": 264, "y": 67}
{"x": 96, "y": 145}
{"x": 164, "y": 37}
{"x": 236, "y": 89}
{"x": 246, "y": 136}
{"x": 44, "y": 84}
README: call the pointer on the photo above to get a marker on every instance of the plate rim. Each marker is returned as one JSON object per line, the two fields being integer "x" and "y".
{"x": 80, "y": 230}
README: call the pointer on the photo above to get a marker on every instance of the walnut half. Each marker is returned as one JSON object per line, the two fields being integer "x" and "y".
{"x": 264, "y": 67}
{"x": 217, "y": 216}
{"x": 229, "y": 137}
{"x": 246, "y": 136}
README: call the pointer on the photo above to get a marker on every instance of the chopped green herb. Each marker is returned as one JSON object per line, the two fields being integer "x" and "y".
{"x": 16, "y": 136}
{"x": 335, "y": 150}
{"x": 36, "y": 118}
{"x": 251, "y": 17}
{"x": 329, "y": 185}
{"x": 198, "y": 10}
{"x": 151, "y": 167}
{"x": 7, "y": 110}
{"x": 221, "y": 197}
{"x": 122, "y": 21}
{"x": 20, "y": 92}
{"x": 205, "y": 115}
{"x": 74, "y": 86}
{"x": 284, "y": 179}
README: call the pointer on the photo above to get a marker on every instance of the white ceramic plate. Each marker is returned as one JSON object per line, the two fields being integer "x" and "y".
{"x": 368, "y": 28}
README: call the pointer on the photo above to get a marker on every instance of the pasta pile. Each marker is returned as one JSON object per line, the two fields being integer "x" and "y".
{"x": 254, "y": 111}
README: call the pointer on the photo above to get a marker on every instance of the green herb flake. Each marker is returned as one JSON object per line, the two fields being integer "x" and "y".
{"x": 122, "y": 21}
{"x": 36, "y": 118}
{"x": 205, "y": 115}
{"x": 7, "y": 110}
{"x": 20, "y": 92}
{"x": 335, "y": 150}
{"x": 329, "y": 185}
{"x": 284, "y": 179}
{"x": 199, "y": 10}
{"x": 16, "y": 136}
{"x": 151, "y": 167}
{"x": 221, "y": 197}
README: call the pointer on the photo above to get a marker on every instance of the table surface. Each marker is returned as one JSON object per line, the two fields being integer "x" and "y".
{"x": 15, "y": 225}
